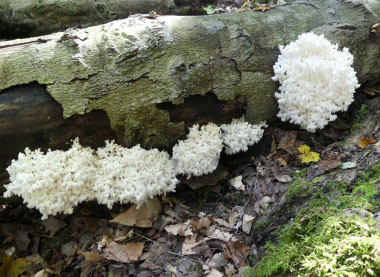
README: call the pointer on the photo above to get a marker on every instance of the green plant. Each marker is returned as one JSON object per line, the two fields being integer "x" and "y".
{"x": 209, "y": 9}
{"x": 300, "y": 188}
{"x": 325, "y": 239}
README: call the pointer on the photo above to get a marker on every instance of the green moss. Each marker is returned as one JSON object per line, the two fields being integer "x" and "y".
{"x": 324, "y": 239}
{"x": 300, "y": 188}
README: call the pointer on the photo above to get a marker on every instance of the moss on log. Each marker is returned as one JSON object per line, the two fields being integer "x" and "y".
{"x": 129, "y": 68}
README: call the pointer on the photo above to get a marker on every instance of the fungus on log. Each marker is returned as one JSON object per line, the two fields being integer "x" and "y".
{"x": 139, "y": 71}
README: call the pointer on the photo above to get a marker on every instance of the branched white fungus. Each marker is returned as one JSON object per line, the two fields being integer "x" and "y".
{"x": 240, "y": 134}
{"x": 199, "y": 153}
{"x": 59, "y": 180}
{"x": 316, "y": 81}
{"x": 132, "y": 174}
{"x": 53, "y": 182}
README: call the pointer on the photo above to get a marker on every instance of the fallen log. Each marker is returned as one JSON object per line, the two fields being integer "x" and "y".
{"x": 153, "y": 78}
{"x": 19, "y": 18}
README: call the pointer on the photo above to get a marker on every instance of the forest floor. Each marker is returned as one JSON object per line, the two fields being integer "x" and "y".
{"x": 218, "y": 225}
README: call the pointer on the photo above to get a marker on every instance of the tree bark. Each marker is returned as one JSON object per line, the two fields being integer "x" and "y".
{"x": 153, "y": 78}
{"x": 20, "y": 18}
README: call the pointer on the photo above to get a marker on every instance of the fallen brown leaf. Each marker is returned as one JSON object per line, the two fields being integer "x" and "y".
{"x": 204, "y": 222}
{"x": 287, "y": 142}
{"x": 237, "y": 252}
{"x": 332, "y": 161}
{"x": 214, "y": 233}
{"x": 190, "y": 243}
{"x": 182, "y": 229}
{"x": 125, "y": 253}
{"x": 53, "y": 225}
{"x": 372, "y": 91}
{"x": 81, "y": 224}
{"x": 364, "y": 142}
{"x": 93, "y": 257}
{"x": 142, "y": 217}
{"x": 134, "y": 250}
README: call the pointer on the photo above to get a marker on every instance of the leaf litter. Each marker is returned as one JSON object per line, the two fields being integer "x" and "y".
{"x": 210, "y": 230}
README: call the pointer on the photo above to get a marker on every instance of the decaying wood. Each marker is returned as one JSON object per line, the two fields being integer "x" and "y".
{"x": 153, "y": 78}
{"x": 27, "y": 18}
{"x": 30, "y": 117}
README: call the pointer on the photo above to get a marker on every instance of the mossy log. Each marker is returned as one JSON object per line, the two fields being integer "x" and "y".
{"x": 152, "y": 78}
{"x": 27, "y": 18}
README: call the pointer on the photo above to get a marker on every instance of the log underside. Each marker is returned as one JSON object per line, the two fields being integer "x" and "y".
{"x": 146, "y": 80}
{"x": 32, "y": 118}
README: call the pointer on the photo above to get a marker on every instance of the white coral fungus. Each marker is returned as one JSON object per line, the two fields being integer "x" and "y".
{"x": 316, "y": 81}
{"x": 199, "y": 153}
{"x": 58, "y": 180}
{"x": 240, "y": 134}
{"x": 53, "y": 182}
{"x": 132, "y": 174}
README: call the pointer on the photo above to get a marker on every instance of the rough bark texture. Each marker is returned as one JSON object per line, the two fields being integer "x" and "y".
{"x": 26, "y": 18}
{"x": 145, "y": 72}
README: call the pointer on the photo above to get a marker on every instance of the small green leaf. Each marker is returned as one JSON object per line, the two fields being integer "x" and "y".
{"x": 209, "y": 9}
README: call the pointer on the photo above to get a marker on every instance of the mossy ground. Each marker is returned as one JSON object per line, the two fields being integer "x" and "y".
{"x": 334, "y": 235}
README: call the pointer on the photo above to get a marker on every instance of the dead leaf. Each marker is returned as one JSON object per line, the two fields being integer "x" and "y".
{"x": 273, "y": 145}
{"x": 237, "y": 183}
{"x": 364, "y": 142}
{"x": 232, "y": 219}
{"x": 142, "y": 217}
{"x": 247, "y": 223}
{"x": 204, "y": 222}
{"x": 53, "y": 225}
{"x": 82, "y": 224}
{"x": 332, "y": 161}
{"x": 122, "y": 235}
{"x": 190, "y": 243}
{"x": 12, "y": 267}
{"x": 283, "y": 178}
{"x": 282, "y": 162}
{"x": 134, "y": 250}
{"x": 222, "y": 222}
{"x": 42, "y": 273}
{"x": 125, "y": 253}
{"x": 217, "y": 260}
{"x": 215, "y": 273}
{"x": 237, "y": 252}
{"x": 229, "y": 270}
{"x": 93, "y": 257}
{"x": 372, "y": 91}
{"x": 22, "y": 240}
{"x": 287, "y": 141}
{"x": 375, "y": 28}
{"x": 182, "y": 229}
{"x": 168, "y": 200}
{"x": 214, "y": 233}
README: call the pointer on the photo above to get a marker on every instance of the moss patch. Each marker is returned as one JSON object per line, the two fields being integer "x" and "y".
{"x": 334, "y": 235}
